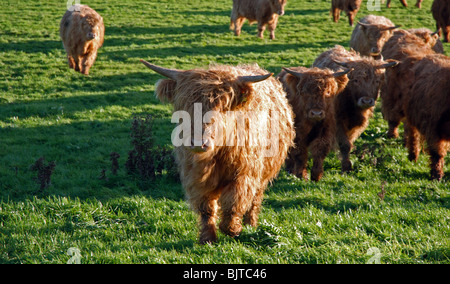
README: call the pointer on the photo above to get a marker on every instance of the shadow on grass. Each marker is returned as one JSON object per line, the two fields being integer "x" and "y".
{"x": 81, "y": 151}
{"x": 32, "y": 46}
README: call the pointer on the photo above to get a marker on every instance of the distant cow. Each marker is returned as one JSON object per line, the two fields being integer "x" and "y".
{"x": 311, "y": 93}
{"x": 232, "y": 175}
{"x": 427, "y": 109}
{"x": 351, "y": 8}
{"x": 82, "y": 32}
{"x": 406, "y": 47}
{"x": 441, "y": 13}
{"x": 355, "y": 105}
{"x": 265, "y": 12}
{"x": 404, "y": 3}
{"x": 370, "y": 34}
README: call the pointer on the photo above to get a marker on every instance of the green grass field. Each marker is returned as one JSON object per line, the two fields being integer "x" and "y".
{"x": 47, "y": 110}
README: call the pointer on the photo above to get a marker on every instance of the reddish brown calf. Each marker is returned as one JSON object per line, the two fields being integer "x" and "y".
{"x": 311, "y": 93}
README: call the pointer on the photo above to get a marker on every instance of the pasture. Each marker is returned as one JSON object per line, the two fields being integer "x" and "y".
{"x": 386, "y": 204}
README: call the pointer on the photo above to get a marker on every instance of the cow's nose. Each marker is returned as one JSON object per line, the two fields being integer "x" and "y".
{"x": 316, "y": 114}
{"x": 201, "y": 146}
{"x": 281, "y": 12}
{"x": 366, "y": 102}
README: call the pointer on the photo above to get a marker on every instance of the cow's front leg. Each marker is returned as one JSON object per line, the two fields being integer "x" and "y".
{"x": 208, "y": 216}
{"x": 345, "y": 146}
{"x": 235, "y": 201}
{"x": 251, "y": 217}
{"x": 272, "y": 26}
{"x": 261, "y": 29}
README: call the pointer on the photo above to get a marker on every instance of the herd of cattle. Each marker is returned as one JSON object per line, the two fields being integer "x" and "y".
{"x": 316, "y": 108}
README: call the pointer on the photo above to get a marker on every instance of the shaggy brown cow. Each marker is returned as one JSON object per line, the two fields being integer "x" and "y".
{"x": 311, "y": 93}
{"x": 404, "y": 3}
{"x": 370, "y": 34}
{"x": 351, "y": 8}
{"x": 441, "y": 13}
{"x": 82, "y": 32}
{"x": 265, "y": 12}
{"x": 234, "y": 176}
{"x": 427, "y": 109}
{"x": 355, "y": 105}
{"x": 429, "y": 38}
{"x": 407, "y": 48}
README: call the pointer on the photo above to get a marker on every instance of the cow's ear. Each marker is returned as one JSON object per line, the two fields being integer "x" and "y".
{"x": 165, "y": 90}
{"x": 361, "y": 26}
{"x": 245, "y": 86}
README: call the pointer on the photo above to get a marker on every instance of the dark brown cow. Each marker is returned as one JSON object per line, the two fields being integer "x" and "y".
{"x": 82, "y": 32}
{"x": 427, "y": 109}
{"x": 230, "y": 175}
{"x": 441, "y": 13}
{"x": 370, "y": 34}
{"x": 407, "y": 48}
{"x": 404, "y": 3}
{"x": 265, "y": 12}
{"x": 311, "y": 93}
{"x": 351, "y": 8}
{"x": 355, "y": 105}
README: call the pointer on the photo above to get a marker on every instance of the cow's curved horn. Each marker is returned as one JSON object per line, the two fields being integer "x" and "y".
{"x": 391, "y": 63}
{"x": 364, "y": 24}
{"x": 169, "y": 73}
{"x": 293, "y": 73}
{"x": 342, "y": 73}
{"x": 390, "y": 28}
{"x": 434, "y": 33}
{"x": 342, "y": 63}
{"x": 254, "y": 79}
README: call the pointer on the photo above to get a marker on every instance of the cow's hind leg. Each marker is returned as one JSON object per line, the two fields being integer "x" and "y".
{"x": 71, "y": 62}
{"x": 413, "y": 142}
{"x": 238, "y": 25}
